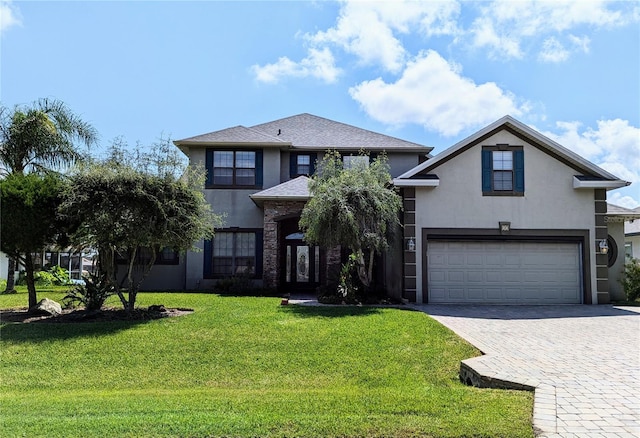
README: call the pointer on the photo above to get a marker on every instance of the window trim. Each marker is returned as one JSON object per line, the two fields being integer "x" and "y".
{"x": 209, "y": 161}
{"x": 258, "y": 256}
{"x": 488, "y": 171}
{"x": 294, "y": 170}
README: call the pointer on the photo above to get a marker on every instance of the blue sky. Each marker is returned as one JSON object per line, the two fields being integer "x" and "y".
{"x": 428, "y": 72}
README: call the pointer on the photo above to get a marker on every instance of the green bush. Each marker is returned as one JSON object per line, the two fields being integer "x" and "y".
{"x": 92, "y": 294}
{"x": 631, "y": 279}
{"x": 54, "y": 276}
{"x": 3, "y": 288}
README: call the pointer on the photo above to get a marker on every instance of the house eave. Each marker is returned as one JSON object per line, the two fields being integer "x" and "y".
{"x": 260, "y": 200}
{"x": 230, "y": 144}
{"x": 599, "y": 184}
{"x": 403, "y": 182}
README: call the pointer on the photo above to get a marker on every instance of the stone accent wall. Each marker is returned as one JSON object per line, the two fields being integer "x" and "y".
{"x": 409, "y": 272}
{"x": 273, "y": 212}
{"x": 602, "y": 260}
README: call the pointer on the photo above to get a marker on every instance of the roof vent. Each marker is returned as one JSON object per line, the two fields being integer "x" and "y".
{"x": 279, "y": 131}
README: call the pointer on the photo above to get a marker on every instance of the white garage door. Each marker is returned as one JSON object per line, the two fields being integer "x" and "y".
{"x": 504, "y": 272}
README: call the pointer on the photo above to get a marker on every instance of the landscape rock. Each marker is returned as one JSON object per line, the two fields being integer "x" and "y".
{"x": 46, "y": 307}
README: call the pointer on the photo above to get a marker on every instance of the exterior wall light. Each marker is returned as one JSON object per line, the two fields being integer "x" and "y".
{"x": 411, "y": 244}
{"x": 604, "y": 246}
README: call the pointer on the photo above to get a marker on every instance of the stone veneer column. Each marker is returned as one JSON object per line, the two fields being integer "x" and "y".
{"x": 602, "y": 260}
{"x": 409, "y": 266}
{"x": 273, "y": 212}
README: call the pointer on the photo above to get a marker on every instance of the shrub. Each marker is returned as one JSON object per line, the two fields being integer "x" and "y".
{"x": 54, "y": 276}
{"x": 3, "y": 288}
{"x": 92, "y": 294}
{"x": 631, "y": 279}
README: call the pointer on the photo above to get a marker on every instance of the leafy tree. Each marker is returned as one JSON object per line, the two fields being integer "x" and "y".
{"x": 353, "y": 207}
{"x": 130, "y": 211}
{"x": 29, "y": 220}
{"x": 40, "y": 137}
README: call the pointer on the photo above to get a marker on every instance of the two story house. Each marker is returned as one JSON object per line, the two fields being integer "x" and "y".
{"x": 504, "y": 216}
{"x": 257, "y": 176}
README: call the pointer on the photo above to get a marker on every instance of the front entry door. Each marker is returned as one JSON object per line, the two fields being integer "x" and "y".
{"x": 301, "y": 267}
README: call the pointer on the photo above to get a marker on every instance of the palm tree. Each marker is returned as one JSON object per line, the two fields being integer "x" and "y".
{"x": 40, "y": 137}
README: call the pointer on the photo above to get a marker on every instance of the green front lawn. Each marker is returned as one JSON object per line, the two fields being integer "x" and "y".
{"x": 246, "y": 367}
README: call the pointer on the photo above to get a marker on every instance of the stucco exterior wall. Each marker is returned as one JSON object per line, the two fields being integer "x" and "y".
{"x": 616, "y": 231}
{"x": 238, "y": 208}
{"x": 401, "y": 163}
{"x": 549, "y": 202}
{"x": 166, "y": 277}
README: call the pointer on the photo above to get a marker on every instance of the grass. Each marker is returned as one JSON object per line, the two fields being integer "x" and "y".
{"x": 247, "y": 367}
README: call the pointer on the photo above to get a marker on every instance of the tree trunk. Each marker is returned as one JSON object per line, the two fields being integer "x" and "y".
{"x": 31, "y": 284}
{"x": 11, "y": 275}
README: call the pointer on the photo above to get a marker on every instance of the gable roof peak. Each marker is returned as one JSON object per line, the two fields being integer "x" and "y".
{"x": 526, "y": 133}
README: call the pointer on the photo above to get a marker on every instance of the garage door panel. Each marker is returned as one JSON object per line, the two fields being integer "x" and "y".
{"x": 437, "y": 276}
{"x": 504, "y": 272}
{"x": 456, "y": 260}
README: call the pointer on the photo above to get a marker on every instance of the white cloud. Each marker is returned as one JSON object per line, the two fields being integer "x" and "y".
{"x": 433, "y": 93}
{"x": 503, "y": 26}
{"x": 369, "y": 31}
{"x": 319, "y": 64}
{"x": 9, "y": 15}
{"x": 553, "y": 51}
{"x": 580, "y": 43}
{"x": 614, "y": 146}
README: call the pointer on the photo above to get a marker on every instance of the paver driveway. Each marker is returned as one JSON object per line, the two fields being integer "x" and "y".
{"x": 584, "y": 361}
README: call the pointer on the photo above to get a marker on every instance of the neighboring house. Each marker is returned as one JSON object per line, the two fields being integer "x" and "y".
{"x": 632, "y": 236}
{"x": 507, "y": 216}
{"x": 504, "y": 216}
{"x": 618, "y": 219}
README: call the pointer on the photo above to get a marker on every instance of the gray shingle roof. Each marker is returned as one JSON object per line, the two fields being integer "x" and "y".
{"x": 237, "y": 135}
{"x": 306, "y": 131}
{"x": 296, "y": 189}
{"x": 309, "y": 131}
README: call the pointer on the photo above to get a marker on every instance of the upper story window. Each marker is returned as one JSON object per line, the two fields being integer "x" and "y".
{"x": 227, "y": 169}
{"x": 502, "y": 171}
{"x": 355, "y": 161}
{"x": 302, "y": 164}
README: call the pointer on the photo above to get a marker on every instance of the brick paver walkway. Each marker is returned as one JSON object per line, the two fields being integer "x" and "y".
{"x": 584, "y": 361}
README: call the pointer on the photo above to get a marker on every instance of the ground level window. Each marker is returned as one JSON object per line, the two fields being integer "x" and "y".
{"x": 233, "y": 253}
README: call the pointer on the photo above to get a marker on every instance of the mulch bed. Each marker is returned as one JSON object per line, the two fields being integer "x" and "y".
{"x": 104, "y": 315}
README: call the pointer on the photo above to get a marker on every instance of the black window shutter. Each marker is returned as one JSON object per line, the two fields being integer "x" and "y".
{"x": 487, "y": 170}
{"x": 259, "y": 253}
{"x": 209, "y": 167}
{"x": 293, "y": 165}
{"x": 518, "y": 168}
{"x": 208, "y": 252}
{"x": 259, "y": 170}
{"x": 312, "y": 163}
